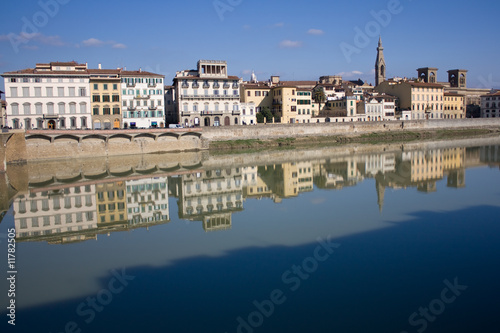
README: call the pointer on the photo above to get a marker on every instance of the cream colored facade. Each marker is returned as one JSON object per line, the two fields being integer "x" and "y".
{"x": 105, "y": 95}
{"x": 69, "y": 211}
{"x": 248, "y": 114}
{"x": 304, "y": 106}
{"x": 454, "y": 106}
{"x": 211, "y": 197}
{"x": 424, "y": 100}
{"x": 208, "y": 96}
{"x": 257, "y": 93}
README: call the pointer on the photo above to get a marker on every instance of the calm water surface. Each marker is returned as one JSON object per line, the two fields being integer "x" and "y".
{"x": 379, "y": 241}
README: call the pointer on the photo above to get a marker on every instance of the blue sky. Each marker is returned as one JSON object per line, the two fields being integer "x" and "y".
{"x": 297, "y": 40}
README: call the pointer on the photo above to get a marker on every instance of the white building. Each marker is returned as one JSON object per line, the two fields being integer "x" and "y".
{"x": 142, "y": 99}
{"x": 54, "y": 96}
{"x": 380, "y": 108}
{"x": 67, "y": 211}
{"x": 147, "y": 201}
{"x": 208, "y": 96}
{"x": 248, "y": 114}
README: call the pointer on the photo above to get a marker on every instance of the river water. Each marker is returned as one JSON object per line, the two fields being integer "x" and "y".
{"x": 389, "y": 238}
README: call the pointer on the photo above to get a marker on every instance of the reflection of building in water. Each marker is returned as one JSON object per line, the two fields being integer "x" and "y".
{"x": 490, "y": 155}
{"x": 254, "y": 186}
{"x": 147, "y": 200}
{"x": 338, "y": 173}
{"x": 111, "y": 204}
{"x": 288, "y": 179}
{"x": 426, "y": 169}
{"x": 454, "y": 166}
{"x": 211, "y": 197}
{"x": 65, "y": 213}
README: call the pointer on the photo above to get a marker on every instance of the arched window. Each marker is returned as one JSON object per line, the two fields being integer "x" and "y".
{"x": 62, "y": 109}
{"x": 27, "y": 108}
{"x": 38, "y": 108}
{"x": 15, "y": 109}
{"x": 83, "y": 107}
{"x": 50, "y": 108}
{"x": 72, "y": 107}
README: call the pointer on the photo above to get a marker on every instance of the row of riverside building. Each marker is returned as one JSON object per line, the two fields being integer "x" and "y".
{"x": 69, "y": 95}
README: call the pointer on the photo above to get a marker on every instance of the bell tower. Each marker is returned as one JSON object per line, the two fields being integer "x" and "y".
{"x": 380, "y": 64}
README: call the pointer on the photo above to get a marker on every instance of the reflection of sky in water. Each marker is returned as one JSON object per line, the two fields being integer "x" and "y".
{"x": 178, "y": 257}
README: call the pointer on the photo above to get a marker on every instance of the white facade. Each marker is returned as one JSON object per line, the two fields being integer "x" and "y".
{"x": 147, "y": 201}
{"x": 50, "y": 96}
{"x": 379, "y": 109}
{"x": 406, "y": 115}
{"x": 48, "y": 213}
{"x": 208, "y": 96}
{"x": 142, "y": 99}
{"x": 248, "y": 114}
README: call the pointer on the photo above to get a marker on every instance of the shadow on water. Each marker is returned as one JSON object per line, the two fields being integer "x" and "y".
{"x": 372, "y": 283}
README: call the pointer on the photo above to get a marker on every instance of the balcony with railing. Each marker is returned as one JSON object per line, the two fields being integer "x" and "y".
{"x": 151, "y": 85}
{"x": 236, "y": 112}
{"x": 211, "y": 113}
{"x": 130, "y": 84}
{"x": 210, "y": 97}
{"x": 142, "y": 97}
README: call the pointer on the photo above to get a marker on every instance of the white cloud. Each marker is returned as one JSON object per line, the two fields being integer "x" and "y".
{"x": 119, "y": 46}
{"x": 247, "y": 27}
{"x": 290, "y": 44}
{"x": 350, "y": 74}
{"x": 246, "y": 72}
{"x": 94, "y": 42}
{"x": 35, "y": 37}
{"x": 315, "y": 32}
{"x": 279, "y": 25}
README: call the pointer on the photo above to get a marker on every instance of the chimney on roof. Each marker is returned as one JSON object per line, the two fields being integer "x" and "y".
{"x": 140, "y": 69}
{"x": 99, "y": 66}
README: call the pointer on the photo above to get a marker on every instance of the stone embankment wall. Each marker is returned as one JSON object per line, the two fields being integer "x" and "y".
{"x": 275, "y": 131}
{"x": 38, "y": 145}
{"x": 21, "y": 147}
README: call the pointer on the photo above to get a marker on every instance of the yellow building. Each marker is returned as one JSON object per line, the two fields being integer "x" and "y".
{"x": 257, "y": 93}
{"x": 111, "y": 201}
{"x": 106, "y": 98}
{"x": 285, "y": 103}
{"x": 454, "y": 106}
{"x": 426, "y": 165}
{"x": 424, "y": 100}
